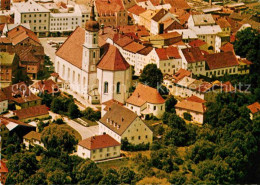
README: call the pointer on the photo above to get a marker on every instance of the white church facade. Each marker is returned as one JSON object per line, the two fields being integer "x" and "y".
{"x": 94, "y": 77}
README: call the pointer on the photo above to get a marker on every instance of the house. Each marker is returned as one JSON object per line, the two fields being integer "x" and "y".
{"x": 111, "y": 12}
{"x": 193, "y": 105}
{"x": 3, "y": 102}
{"x": 106, "y": 105}
{"x": 8, "y": 68}
{"x": 31, "y": 113}
{"x": 33, "y": 13}
{"x": 82, "y": 66}
{"x": 206, "y": 29}
{"x": 244, "y": 66}
{"x": 227, "y": 47}
{"x": 161, "y": 40}
{"x": 45, "y": 86}
{"x": 193, "y": 60}
{"x": 254, "y": 110}
{"x": 146, "y": 101}
{"x": 121, "y": 123}
{"x": 20, "y": 95}
{"x": 135, "y": 11}
{"x": 3, "y": 172}
{"x": 32, "y": 138}
{"x": 200, "y": 44}
{"x": 170, "y": 60}
{"x": 99, "y": 147}
{"x": 219, "y": 64}
{"x": 10, "y": 126}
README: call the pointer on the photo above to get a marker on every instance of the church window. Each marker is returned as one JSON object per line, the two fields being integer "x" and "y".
{"x": 94, "y": 40}
{"x": 118, "y": 87}
{"x": 94, "y": 54}
{"x": 106, "y": 87}
{"x": 73, "y": 77}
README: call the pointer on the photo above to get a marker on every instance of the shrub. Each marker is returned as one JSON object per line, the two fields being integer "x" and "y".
{"x": 187, "y": 116}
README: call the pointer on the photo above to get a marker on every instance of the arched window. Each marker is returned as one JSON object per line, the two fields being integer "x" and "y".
{"x": 94, "y": 40}
{"x": 118, "y": 87}
{"x": 106, "y": 87}
{"x": 94, "y": 54}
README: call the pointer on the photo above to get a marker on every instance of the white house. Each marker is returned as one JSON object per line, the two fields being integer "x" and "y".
{"x": 33, "y": 13}
{"x": 254, "y": 110}
{"x": 194, "y": 106}
{"x": 99, "y": 147}
{"x": 121, "y": 123}
{"x": 206, "y": 29}
{"x": 146, "y": 100}
{"x": 32, "y": 138}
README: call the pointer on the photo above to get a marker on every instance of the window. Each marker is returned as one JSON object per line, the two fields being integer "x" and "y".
{"x": 100, "y": 150}
{"x": 154, "y": 107}
{"x": 118, "y": 87}
{"x": 94, "y": 54}
{"x": 94, "y": 40}
{"x": 106, "y": 87}
{"x": 133, "y": 138}
{"x": 139, "y": 137}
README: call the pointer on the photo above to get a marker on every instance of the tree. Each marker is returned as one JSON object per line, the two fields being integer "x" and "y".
{"x": 111, "y": 177}
{"x": 170, "y": 104}
{"x": 177, "y": 178}
{"x": 126, "y": 175}
{"x": 20, "y": 167}
{"x": 92, "y": 115}
{"x": 187, "y": 116}
{"x": 58, "y": 177}
{"x": 152, "y": 76}
{"x": 87, "y": 172}
{"x": 247, "y": 45}
{"x": 57, "y": 140}
{"x": 74, "y": 111}
{"x": 56, "y": 105}
{"x": 46, "y": 99}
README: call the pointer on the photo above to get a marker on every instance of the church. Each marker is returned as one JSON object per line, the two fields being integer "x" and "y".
{"x": 95, "y": 73}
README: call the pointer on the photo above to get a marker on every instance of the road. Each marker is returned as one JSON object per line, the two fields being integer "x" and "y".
{"x": 85, "y": 132}
{"x": 50, "y": 51}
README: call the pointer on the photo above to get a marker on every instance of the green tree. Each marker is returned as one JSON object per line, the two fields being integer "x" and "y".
{"x": 177, "y": 178}
{"x": 126, "y": 175}
{"x": 170, "y": 104}
{"x": 187, "y": 116}
{"x": 74, "y": 111}
{"x": 56, "y": 105}
{"x": 152, "y": 76}
{"x": 92, "y": 115}
{"x": 111, "y": 177}
{"x": 87, "y": 172}
{"x": 57, "y": 140}
{"x": 20, "y": 167}
{"x": 58, "y": 177}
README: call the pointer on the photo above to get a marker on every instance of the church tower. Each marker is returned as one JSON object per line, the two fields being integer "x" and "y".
{"x": 91, "y": 51}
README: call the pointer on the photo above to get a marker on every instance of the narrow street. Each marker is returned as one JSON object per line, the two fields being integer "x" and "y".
{"x": 85, "y": 132}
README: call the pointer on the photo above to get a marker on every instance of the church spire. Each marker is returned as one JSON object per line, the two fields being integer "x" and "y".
{"x": 92, "y": 25}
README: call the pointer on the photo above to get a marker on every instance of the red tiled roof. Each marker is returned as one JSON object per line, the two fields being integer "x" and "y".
{"x": 195, "y": 99}
{"x": 134, "y": 47}
{"x": 180, "y": 75}
{"x": 113, "y": 60}
{"x": 159, "y": 15}
{"x": 71, "y": 50}
{"x": 223, "y": 23}
{"x": 168, "y": 53}
{"x": 48, "y": 86}
{"x": 245, "y": 61}
{"x": 143, "y": 94}
{"x": 197, "y": 43}
{"x": 20, "y": 33}
{"x": 109, "y": 103}
{"x": 221, "y": 60}
{"x": 141, "y": 31}
{"x": 193, "y": 54}
{"x": 191, "y": 106}
{"x": 3, "y": 168}
{"x": 204, "y": 87}
{"x": 31, "y": 112}
{"x": 109, "y": 6}
{"x": 136, "y": 9}
{"x": 227, "y": 47}
{"x": 179, "y": 4}
{"x": 19, "y": 93}
{"x": 101, "y": 141}
{"x": 254, "y": 108}
{"x": 122, "y": 40}
{"x": 146, "y": 50}
{"x": 227, "y": 86}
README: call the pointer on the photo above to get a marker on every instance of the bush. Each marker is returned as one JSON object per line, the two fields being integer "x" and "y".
{"x": 37, "y": 150}
{"x": 178, "y": 161}
{"x": 59, "y": 121}
{"x": 131, "y": 147}
{"x": 187, "y": 116}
